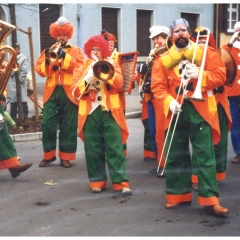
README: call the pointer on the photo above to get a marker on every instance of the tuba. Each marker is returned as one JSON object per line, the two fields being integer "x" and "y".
{"x": 7, "y": 56}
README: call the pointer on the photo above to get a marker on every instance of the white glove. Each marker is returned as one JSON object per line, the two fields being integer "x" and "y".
{"x": 89, "y": 75}
{"x": 234, "y": 37}
{"x": 191, "y": 71}
{"x": 175, "y": 107}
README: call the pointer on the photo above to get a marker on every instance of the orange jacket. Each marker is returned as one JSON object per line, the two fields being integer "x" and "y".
{"x": 112, "y": 99}
{"x": 59, "y": 72}
{"x": 234, "y": 89}
{"x": 165, "y": 82}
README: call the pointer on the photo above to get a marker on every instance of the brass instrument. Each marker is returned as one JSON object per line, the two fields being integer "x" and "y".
{"x": 102, "y": 70}
{"x": 197, "y": 95}
{"x": 52, "y": 53}
{"x": 158, "y": 50}
{"x": 7, "y": 56}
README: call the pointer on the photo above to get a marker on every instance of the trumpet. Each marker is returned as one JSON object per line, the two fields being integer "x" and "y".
{"x": 52, "y": 53}
{"x": 102, "y": 70}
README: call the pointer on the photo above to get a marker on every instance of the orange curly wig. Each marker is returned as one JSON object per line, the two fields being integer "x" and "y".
{"x": 108, "y": 36}
{"x": 61, "y": 26}
{"x": 97, "y": 41}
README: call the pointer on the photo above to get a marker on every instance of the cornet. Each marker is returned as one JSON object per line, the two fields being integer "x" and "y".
{"x": 52, "y": 53}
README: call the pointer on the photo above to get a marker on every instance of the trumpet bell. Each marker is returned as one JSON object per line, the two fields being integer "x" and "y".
{"x": 103, "y": 70}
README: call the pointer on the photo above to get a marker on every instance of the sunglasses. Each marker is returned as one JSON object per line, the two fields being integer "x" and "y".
{"x": 177, "y": 30}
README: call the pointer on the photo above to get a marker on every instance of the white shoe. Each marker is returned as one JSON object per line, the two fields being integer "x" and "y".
{"x": 126, "y": 192}
{"x": 96, "y": 190}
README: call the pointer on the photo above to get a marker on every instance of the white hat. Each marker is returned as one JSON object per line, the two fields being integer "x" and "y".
{"x": 236, "y": 26}
{"x": 155, "y": 30}
{"x": 61, "y": 21}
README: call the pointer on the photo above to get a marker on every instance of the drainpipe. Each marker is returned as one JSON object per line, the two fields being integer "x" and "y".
{"x": 79, "y": 26}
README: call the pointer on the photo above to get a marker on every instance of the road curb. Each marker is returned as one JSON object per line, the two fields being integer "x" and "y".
{"x": 38, "y": 135}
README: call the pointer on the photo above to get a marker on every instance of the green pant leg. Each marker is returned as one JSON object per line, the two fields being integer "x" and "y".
{"x": 67, "y": 127}
{"x": 221, "y": 148}
{"x": 114, "y": 150}
{"x": 178, "y": 165}
{"x": 7, "y": 149}
{"x": 94, "y": 147}
{"x": 50, "y": 123}
{"x": 203, "y": 149}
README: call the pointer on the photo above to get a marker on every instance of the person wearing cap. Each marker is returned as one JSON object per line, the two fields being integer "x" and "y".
{"x": 22, "y": 72}
{"x": 152, "y": 111}
{"x": 101, "y": 121}
{"x": 233, "y": 91}
{"x": 224, "y": 115}
{"x": 114, "y": 58}
{"x": 60, "y": 108}
{"x": 8, "y": 154}
{"x": 174, "y": 79}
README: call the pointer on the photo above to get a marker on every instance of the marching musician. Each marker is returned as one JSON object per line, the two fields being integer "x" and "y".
{"x": 8, "y": 154}
{"x": 151, "y": 108}
{"x": 224, "y": 116}
{"x": 56, "y": 64}
{"x": 174, "y": 80}
{"x": 101, "y": 122}
{"x": 233, "y": 92}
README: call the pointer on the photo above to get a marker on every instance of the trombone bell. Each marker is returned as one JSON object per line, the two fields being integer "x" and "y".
{"x": 103, "y": 70}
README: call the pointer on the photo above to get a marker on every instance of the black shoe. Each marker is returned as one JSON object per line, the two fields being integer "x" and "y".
{"x": 161, "y": 173}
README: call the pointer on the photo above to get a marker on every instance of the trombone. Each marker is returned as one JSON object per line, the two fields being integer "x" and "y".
{"x": 197, "y": 95}
{"x": 102, "y": 70}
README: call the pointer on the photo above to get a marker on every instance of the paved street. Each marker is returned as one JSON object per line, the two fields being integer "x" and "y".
{"x": 30, "y": 207}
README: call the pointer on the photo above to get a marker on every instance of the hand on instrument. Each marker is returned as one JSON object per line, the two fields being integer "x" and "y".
{"x": 89, "y": 75}
{"x": 61, "y": 53}
{"x": 182, "y": 72}
{"x": 142, "y": 68}
{"x": 146, "y": 87}
{"x": 234, "y": 37}
{"x": 175, "y": 107}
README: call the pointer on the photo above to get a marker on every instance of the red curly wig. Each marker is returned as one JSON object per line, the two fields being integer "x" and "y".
{"x": 108, "y": 36}
{"x": 61, "y": 26}
{"x": 97, "y": 41}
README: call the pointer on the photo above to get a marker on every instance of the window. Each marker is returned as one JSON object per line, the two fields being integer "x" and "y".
{"x": 232, "y": 17}
{"x": 193, "y": 20}
{"x": 48, "y": 13}
{"x": 110, "y": 22}
{"x": 143, "y": 25}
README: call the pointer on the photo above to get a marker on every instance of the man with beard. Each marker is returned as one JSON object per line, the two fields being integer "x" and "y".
{"x": 174, "y": 77}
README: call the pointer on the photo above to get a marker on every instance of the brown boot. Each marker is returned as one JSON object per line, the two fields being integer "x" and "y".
{"x": 216, "y": 210}
{"x": 65, "y": 163}
{"x": 15, "y": 171}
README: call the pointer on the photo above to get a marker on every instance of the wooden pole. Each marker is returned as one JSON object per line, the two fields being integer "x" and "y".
{"x": 33, "y": 73}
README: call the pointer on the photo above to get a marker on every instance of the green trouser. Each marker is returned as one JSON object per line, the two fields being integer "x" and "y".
{"x": 102, "y": 136}
{"x": 148, "y": 146}
{"x": 7, "y": 149}
{"x": 191, "y": 126}
{"x": 221, "y": 148}
{"x": 59, "y": 111}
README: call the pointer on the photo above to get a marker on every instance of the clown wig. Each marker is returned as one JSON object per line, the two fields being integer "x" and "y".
{"x": 61, "y": 26}
{"x": 99, "y": 42}
{"x": 108, "y": 36}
